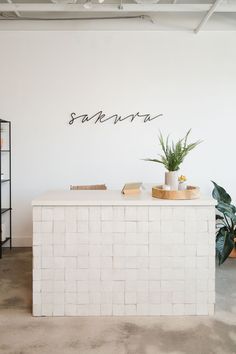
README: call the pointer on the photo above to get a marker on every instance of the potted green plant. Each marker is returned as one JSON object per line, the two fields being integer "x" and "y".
{"x": 173, "y": 156}
{"x": 225, "y": 223}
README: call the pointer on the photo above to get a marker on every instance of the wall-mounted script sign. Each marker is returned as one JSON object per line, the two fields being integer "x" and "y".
{"x": 101, "y": 117}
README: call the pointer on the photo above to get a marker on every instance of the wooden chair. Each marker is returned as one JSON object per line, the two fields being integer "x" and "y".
{"x": 89, "y": 187}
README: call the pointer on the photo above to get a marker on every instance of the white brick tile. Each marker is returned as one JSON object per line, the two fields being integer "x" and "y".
{"x": 118, "y": 297}
{"x": 191, "y": 226}
{"x": 58, "y": 274}
{"x": 167, "y": 285}
{"x": 94, "y": 226}
{"x": 37, "y": 298}
{"x": 70, "y": 310}
{"x": 178, "y": 262}
{"x": 47, "y": 250}
{"x": 202, "y": 309}
{"x": 154, "y": 286}
{"x": 189, "y": 296}
{"x": 106, "y": 239}
{"x": 119, "y": 262}
{"x": 166, "y": 262}
{"x": 178, "y": 297}
{"x": 119, "y": 250}
{"x": 166, "y": 297}
{"x": 59, "y": 226}
{"x": 179, "y": 213}
{"x": 190, "y": 309}
{"x": 154, "y": 213}
{"x": 202, "y": 226}
{"x": 94, "y": 274}
{"x": 142, "y": 226}
{"x": 47, "y": 286}
{"x": 142, "y": 297}
{"x": 118, "y": 238}
{"x": 202, "y": 250}
{"x": 131, "y": 274}
{"x": 59, "y": 286}
{"x": 142, "y": 251}
{"x": 190, "y": 262}
{"x": 130, "y": 227}
{"x": 70, "y": 286}
{"x": 142, "y": 262}
{"x": 82, "y": 286}
{"x": 130, "y": 250}
{"x": 167, "y": 213}
{"x": 58, "y": 298}
{"x": 118, "y": 310}
{"x": 166, "y": 226}
{"x": 154, "y": 238}
{"x": 81, "y": 238}
{"x": 154, "y": 226}
{"x": 58, "y": 214}
{"x": 142, "y": 309}
{"x": 131, "y": 262}
{"x": 211, "y": 227}
{"x": 178, "y": 309}
{"x": 37, "y": 273}
{"x": 118, "y": 213}
{"x": 37, "y": 213}
{"x": 47, "y": 262}
{"x": 58, "y": 239}
{"x": 47, "y": 239}
{"x": 142, "y": 285}
{"x": 132, "y": 285}
{"x": 82, "y": 310}
{"x": 46, "y": 226}
{"x": 58, "y": 310}
{"x": 94, "y": 213}
{"x": 211, "y": 309}
{"x": 70, "y": 214}
{"x": 131, "y": 213}
{"x": 106, "y": 213}
{"x": 37, "y": 239}
{"x": 107, "y": 226}
{"x": 106, "y": 262}
{"x": 118, "y": 226}
{"x": 155, "y": 273}
{"x": 82, "y": 226}
{"x": 143, "y": 274}
{"x": 71, "y": 226}
{"x": 94, "y": 238}
{"x": 142, "y": 213}
{"x": 37, "y": 286}
{"x": 94, "y": 262}
{"x": 202, "y": 262}
{"x": 82, "y": 250}
{"x": 130, "y": 298}
{"x": 47, "y": 274}
{"x": 202, "y": 297}
{"x": 59, "y": 250}
{"x": 82, "y": 213}
{"x": 166, "y": 309}
{"x": 106, "y": 297}
{"x": 167, "y": 273}
{"x": 154, "y": 262}
{"x": 106, "y": 309}
{"x": 95, "y": 297}
{"x": 82, "y": 262}
{"x": 37, "y": 227}
{"x": 94, "y": 285}
{"x": 154, "y": 297}
{"x": 106, "y": 274}
{"x": 106, "y": 285}
{"x": 130, "y": 310}
{"x": 83, "y": 298}
{"x": 154, "y": 310}
{"x": 106, "y": 250}
{"x": 71, "y": 250}
{"x": 118, "y": 274}
{"x": 47, "y": 310}
{"x": 118, "y": 286}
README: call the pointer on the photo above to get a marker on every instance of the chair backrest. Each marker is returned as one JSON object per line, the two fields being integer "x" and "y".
{"x": 89, "y": 187}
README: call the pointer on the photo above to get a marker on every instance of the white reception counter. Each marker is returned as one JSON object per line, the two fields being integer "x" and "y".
{"x": 100, "y": 253}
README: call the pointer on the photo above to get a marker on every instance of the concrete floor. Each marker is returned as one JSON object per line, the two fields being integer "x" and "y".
{"x": 20, "y": 333}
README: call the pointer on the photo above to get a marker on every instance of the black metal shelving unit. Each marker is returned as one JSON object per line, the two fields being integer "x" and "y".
{"x": 5, "y": 183}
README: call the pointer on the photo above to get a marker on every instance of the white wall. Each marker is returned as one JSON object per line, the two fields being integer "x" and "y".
{"x": 46, "y": 75}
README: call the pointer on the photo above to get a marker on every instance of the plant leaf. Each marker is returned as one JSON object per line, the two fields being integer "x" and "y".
{"x": 224, "y": 245}
{"x": 220, "y": 194}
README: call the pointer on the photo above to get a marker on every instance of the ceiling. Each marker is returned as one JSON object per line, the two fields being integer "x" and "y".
{"x": 195, "y": 15}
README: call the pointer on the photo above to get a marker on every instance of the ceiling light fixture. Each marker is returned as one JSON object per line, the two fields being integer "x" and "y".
{"x": 101, "y": 1}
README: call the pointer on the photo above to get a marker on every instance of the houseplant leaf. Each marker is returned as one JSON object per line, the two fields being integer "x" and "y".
{"x": 224, "y": 244}
{"x": 220, "y": 194}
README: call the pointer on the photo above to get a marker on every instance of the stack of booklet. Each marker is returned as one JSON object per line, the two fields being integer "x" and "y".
{"x": 132, "y": 188}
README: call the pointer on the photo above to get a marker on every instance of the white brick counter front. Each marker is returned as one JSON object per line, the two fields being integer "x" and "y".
{"x": 99, "y": 253}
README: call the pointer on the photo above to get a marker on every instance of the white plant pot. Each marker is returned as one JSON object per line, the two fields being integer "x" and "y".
{"x": 171, "y": 179}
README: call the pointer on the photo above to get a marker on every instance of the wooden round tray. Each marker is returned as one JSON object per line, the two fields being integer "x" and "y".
{"x": 191, "y": 192}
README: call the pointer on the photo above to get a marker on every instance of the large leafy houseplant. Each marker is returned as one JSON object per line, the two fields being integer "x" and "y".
{"x": 225, "y": 223}
{"x": 174, "y": 153}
